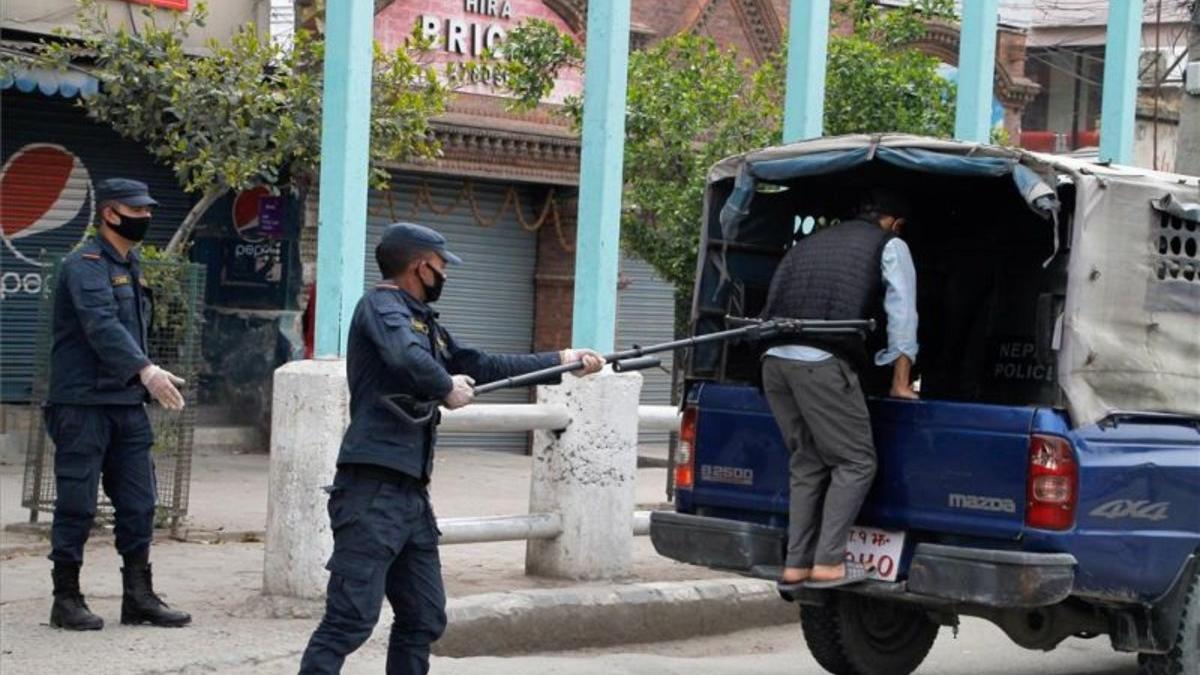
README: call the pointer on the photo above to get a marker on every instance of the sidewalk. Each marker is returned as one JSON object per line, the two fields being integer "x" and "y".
{"x": 218, "y": 583}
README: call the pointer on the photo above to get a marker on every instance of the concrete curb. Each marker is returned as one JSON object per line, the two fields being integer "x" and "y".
{"x": 556, "y": 619}
{"x": 597, "y": 616}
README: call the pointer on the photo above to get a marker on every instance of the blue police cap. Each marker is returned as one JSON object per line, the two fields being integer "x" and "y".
{"x": 125, "y": 191}
{"x": 411, "y": 235}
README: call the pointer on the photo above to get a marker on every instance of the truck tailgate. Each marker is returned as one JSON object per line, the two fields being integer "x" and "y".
{"x": 946, "y": 467}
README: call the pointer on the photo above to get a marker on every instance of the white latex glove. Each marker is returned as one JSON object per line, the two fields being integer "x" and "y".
{"x": 462, "y": 393}
{"x": 593, "y": 361}
{"x": 162, "y": 386}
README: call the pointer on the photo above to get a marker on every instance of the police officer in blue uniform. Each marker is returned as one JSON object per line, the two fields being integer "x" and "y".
{"x": 384, "y": 531}
{"x": 100, "y": 380}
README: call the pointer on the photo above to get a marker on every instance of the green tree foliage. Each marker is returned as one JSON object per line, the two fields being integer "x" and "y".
{"x": 874, "y": 83}
{"x": 691, "y": 103}
{"x": 249, "y": 111}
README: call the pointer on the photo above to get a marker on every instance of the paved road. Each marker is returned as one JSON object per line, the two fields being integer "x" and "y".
{"x": 979, "y": 650}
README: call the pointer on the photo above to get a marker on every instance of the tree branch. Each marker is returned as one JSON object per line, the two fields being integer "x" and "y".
{"x": 184, "y": 233}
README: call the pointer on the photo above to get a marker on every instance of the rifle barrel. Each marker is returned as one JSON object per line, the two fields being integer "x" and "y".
{"x": 765, "y": 328}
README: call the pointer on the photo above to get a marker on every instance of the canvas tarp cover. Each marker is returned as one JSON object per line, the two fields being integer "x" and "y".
{"x": 1130, "y": 339}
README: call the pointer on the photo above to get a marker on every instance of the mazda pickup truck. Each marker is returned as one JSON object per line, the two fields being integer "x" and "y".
{"x": 1048, "y": 479}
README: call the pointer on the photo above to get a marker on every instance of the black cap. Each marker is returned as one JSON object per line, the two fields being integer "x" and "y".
{"x": 419, "y": 237}
{"x": 125, "y": 191}
{"x": 887, "y": 201}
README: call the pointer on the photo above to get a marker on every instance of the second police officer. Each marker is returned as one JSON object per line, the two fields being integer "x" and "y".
{"x": 384, "y": 531}
{"x": 100, "y": 380}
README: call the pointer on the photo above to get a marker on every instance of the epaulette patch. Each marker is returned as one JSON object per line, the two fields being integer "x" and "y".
{"x": 120, "y": 280}
{"x": 420, "y": 326}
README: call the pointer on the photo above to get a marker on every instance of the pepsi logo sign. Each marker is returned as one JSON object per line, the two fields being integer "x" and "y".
{"x": 246, "y": 210}
{"x": 43, "y": 187}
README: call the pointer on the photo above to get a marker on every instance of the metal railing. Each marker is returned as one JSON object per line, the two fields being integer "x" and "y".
{"x": 531, "y": 417}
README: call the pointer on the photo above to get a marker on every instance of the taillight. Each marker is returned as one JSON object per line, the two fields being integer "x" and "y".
{"x": 1053, "y": 489}
{"x": 685, "y": 454}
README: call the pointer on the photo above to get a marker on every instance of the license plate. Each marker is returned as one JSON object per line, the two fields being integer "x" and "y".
{"x": 878, "y": 549}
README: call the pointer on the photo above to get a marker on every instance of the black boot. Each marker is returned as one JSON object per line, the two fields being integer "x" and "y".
{"x": 69, "y": 610}
{"x": 140, "y": 604}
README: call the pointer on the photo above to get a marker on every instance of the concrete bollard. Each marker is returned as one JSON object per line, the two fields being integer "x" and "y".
{"x": 586, "y": 474}
{"x": 309, "y": 414}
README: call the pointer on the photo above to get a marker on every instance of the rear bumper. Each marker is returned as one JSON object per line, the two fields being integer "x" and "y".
{"x": 745, "y": 548}
{"x": 1002, "y": 579}
{"x": 937, "y": 574}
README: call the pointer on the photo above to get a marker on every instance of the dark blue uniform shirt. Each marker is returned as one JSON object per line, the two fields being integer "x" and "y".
{"x": 101, "y": 319}
{"x": 396, "y": 347}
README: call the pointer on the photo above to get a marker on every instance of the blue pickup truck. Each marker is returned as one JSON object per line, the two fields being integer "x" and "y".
{"x": 1048, "y": 479}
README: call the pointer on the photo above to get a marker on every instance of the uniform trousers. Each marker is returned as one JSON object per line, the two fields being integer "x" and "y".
{"x": 385, "y": 540}
{"x": 94, "y": 444}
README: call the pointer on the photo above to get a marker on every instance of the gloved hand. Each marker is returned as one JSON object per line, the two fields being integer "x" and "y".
{"x": 162, "y": 386}
{"x": 462, "y": 393}
{"x": 593, "y": 360}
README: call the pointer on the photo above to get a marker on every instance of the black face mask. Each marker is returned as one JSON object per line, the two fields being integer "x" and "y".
{"x": 432, "y": 293}
{"x": 132, "y": 228}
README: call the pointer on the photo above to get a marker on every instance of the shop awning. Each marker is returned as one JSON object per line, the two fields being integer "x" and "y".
{"x": 66, "y": 83}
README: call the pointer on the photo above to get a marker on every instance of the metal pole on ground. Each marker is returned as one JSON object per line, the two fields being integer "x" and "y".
{"x": 597, "y": 250}
{"x": 1118, "y": 110}
{"x": 976, "y": 71}
{"x": 808, "y": 43}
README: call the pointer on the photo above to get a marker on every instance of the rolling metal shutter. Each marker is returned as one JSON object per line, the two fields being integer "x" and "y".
{"x": 489, "y": 299}
{"x": 645, "y": 316}
{"x": 52, "y": 157}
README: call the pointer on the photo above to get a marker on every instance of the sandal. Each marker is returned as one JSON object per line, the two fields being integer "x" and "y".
{"x": 855, "y": 573}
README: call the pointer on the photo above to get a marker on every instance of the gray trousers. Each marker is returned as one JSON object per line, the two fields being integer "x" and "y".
{"x": 820, "y": 409}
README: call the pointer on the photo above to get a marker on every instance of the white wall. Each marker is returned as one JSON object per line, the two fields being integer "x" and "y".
{"x": 44, "y": 16}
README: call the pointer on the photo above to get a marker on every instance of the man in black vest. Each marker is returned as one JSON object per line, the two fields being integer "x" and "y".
{"x": 846, "y": 271}
{"x": 385, "y": 535}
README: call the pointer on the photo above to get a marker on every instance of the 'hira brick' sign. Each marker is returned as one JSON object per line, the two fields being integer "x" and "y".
{"x": 476, "y": 29}
{"x": 462, "y": 30}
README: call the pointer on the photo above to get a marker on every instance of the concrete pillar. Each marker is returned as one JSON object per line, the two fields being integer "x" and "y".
{"x": 1187, "y": 153}
{"x": 804, "y": 93}
{"x": 309, "y": 414}
{"x": 598, "y": 251}
{"x": 345, "y": 162}
{"x": 586, "y": 474}
{"x": 976, "y": 72}
{"x": 1118, "y": 109}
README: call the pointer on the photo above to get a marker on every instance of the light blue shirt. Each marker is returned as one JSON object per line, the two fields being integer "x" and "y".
{"x": 899, "y": 302}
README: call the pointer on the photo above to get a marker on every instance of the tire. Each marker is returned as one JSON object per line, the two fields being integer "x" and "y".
{"x": 855, "y": 635}
{"x": 1184, "y": 658}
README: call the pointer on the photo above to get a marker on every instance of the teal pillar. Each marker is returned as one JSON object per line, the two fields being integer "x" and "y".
{"x": 345, "y": 133}
{"x": 808, "y": 42}
{"x": 1118, "y": 111}
{"x": 976, "y": 71}
{"x": 597, "y": 249}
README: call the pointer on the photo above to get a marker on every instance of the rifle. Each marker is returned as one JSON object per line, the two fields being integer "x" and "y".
{"x": 419, "y": 412}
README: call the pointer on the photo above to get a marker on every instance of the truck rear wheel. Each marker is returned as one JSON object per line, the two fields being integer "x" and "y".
{"x": 855, "y": 635}
{"x": 1185, "y": 657}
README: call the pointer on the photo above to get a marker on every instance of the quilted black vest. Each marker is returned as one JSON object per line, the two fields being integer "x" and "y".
{"x": 833, "y": 273}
